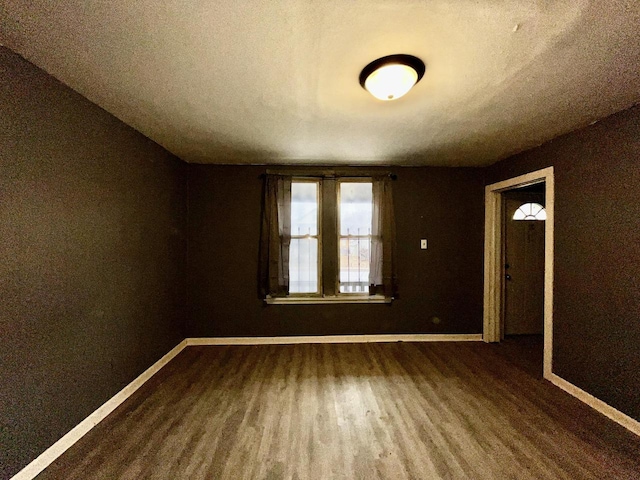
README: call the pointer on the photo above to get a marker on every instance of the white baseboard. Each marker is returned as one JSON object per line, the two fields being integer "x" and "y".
{"x": 76, "y": 433}
{"x": 616, "y": 415}
{"x": 334, "y": 339}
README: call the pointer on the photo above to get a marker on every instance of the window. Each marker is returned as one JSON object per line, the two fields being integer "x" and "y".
{"x": 356, "y": 209}
{"x": 530, "y": 211}
{"x": 303, "y": 255}
{"x": 327, "y": 239}
{"x": 354, "y": 243}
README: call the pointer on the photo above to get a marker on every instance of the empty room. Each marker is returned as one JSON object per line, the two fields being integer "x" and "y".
{"x": 320, "y": 240}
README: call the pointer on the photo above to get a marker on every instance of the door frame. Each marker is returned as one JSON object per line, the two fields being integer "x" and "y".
{"x": 493, "y": 313}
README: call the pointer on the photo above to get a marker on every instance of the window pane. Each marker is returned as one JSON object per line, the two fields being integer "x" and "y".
{"x": 355, "y": 242}
{"x": 303, "y": 255}
{"x": 354, "y": 265}
{"x": 355, "y": 208}
{"x": 303, "y": 265}
{"x": 304, "y": 208}
{"x": 530, "y": 211}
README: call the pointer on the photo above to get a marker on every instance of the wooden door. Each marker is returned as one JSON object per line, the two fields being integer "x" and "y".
{"x": 524, "y": 269}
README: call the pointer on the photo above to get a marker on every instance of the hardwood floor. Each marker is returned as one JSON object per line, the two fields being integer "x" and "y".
{"x": 356, "y": 411}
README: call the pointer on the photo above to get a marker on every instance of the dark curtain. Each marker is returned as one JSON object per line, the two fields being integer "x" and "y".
{"x": 275, "y": 236}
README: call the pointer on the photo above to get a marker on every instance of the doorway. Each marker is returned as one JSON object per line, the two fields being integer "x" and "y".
{"x": 496, "y": 203}
{"x": 523, "y": 260}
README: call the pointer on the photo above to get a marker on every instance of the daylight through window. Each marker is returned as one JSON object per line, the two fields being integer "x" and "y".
{"x": 303, "y": 255}
{"x": 327, "y": 238}
{"x": 530, "y": 211}
{"x": 356, "y": 201}
{"x": 354, "y": 237}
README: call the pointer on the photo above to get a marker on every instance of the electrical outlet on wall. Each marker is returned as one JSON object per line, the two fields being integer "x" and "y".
{"x": 423, "y": 244}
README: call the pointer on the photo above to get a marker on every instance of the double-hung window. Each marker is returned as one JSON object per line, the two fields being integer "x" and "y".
{"x": 304, "y": 271}
{"x": 327, "y": 238}
{"x": 355, "y": 221}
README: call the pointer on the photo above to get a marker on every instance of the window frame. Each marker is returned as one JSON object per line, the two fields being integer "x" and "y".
{"x": 329, "y": 257}
{"x": 542, "y": 212}
{"x": 318, "y": 293}
{"x": 338, "y": 192}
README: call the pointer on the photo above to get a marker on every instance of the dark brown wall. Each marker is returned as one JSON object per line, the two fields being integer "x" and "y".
{"x": 444, "y": 205}
{"x": 94, "y": 241}
{"x": 597, "y": 255}
{"x": 92, "y": 258}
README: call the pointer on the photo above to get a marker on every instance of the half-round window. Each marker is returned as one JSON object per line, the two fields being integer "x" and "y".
{"x": 530, "y": 211}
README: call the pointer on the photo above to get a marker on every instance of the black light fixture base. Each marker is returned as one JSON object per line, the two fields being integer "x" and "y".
{"x": 399, "y": 58}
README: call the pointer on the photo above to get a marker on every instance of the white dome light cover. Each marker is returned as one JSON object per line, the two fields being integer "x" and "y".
{"x": 391, "y": 77}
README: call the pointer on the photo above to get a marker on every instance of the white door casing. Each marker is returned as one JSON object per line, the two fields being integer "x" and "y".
{"x": 493, "y": 268}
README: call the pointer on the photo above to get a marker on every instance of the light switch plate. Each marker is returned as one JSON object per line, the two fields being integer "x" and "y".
{"x": 423, "y": 244}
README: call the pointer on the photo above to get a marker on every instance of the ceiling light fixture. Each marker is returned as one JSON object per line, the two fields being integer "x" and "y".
{"x": 391, "y": 77}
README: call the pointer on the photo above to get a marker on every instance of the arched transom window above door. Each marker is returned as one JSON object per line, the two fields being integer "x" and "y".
{"x": 530, "y": 211}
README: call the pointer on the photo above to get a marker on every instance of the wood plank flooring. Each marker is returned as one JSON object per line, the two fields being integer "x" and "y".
{"x": 352, "y": 411}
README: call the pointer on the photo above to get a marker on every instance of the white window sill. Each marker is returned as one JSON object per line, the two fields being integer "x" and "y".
{"x": 379, "y": 299}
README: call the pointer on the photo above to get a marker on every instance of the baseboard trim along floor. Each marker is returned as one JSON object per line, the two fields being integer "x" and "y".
{"x": 58, "y": 448}
{"x": 335, "y": 339}
{"x": 76, "y": 433}
{"x": 604, "y": 408}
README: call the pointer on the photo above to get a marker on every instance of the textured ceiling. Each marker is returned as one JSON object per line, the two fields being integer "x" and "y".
{"x": 277, "y": 81}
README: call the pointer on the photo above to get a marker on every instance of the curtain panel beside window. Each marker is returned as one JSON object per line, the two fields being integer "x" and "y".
{"x": 382, "y": 271}
{"x": 275, "y": 236}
